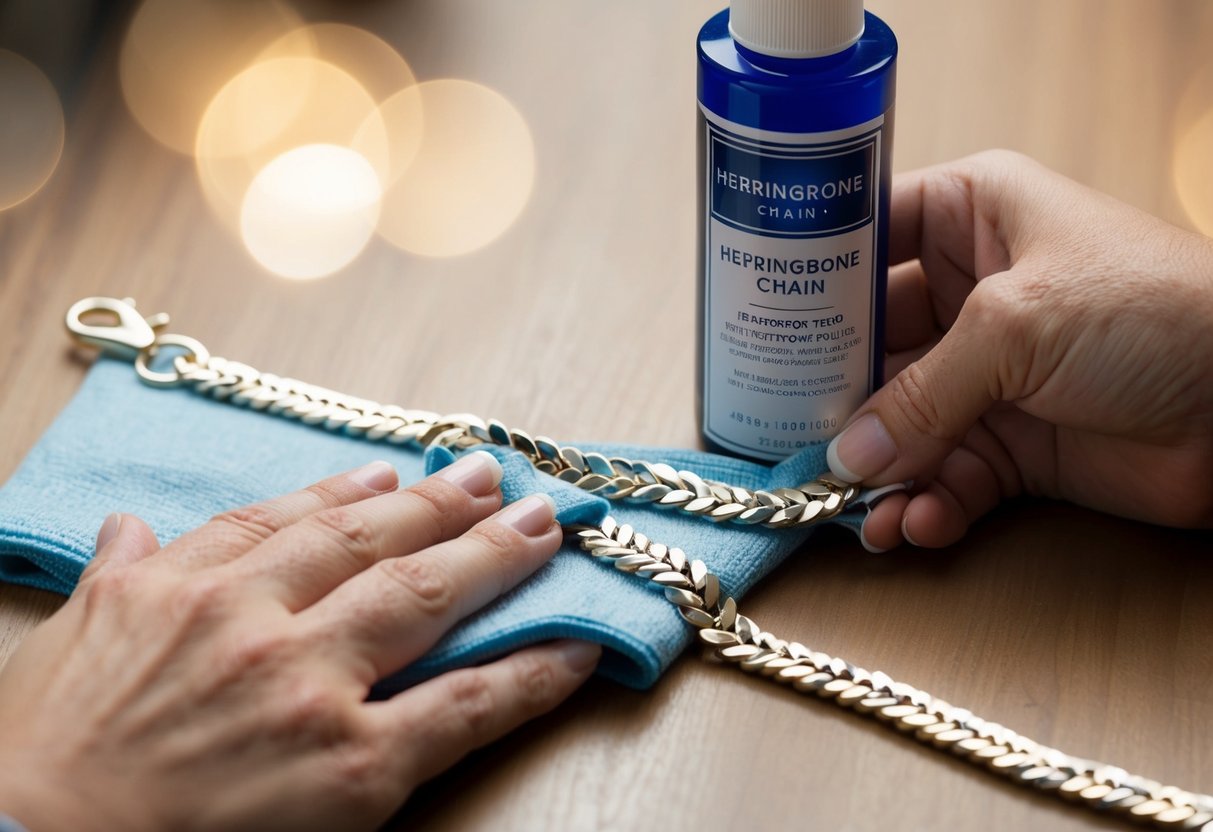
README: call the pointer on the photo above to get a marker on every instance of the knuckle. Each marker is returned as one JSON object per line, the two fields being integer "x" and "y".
{"x": 357, "y": 771}
{"x": 201, "y": 597}
{"x": 1008, "y": 300}
{"x": 1005, "y": 304}
{"x": 1002, "y": 172}
{"x": 536, "y": 681}
{"x": 996, "y": 299}
{"x": 499, "y": 539}
{"x": 427, "y": 584}
{"x": 498, "y": 546}
{"x": 440, "y": 506}
{"x": 257, "y": 522}
{"x": 471, "y": 699}
{"x": 355, "y": 766}
{"x": 1011, "y": 314}
{"x": 349, "y": 529}
{"x": 915, "y": 406}
{"x": 109, "y": 586}
{"x": 316, "y": 710}
{"x": 259, "y": 650}
{"x": 324, "y": 493}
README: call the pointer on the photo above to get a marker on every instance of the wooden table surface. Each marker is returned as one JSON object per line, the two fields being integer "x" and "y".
{"x": 1086, "y": 632}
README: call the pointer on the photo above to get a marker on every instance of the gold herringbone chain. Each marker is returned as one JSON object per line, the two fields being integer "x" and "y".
{"x": 616, "y": 478}
{"x": 694, "y": 591}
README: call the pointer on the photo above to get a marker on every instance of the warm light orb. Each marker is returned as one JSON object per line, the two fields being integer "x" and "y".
{"x": 370, "y": 59}
{"x": 311, "y": 211}
{"x": 273, "y": 107}
{"x": 178, "y": 53}
{"x": 31, "y": 129}
{"x": 402, "y": 118}
{"x": 472, "y": 175}
{"x": 1193, "y": 172}
{"x": 1192, "y": 161}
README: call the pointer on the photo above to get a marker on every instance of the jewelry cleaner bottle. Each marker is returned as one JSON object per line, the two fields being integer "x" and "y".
{"x": 795, "y": 131}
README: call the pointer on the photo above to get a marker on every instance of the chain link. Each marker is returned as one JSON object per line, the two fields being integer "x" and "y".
{"x": 731, "y": 637}
{"x": 688, "y": 584}
{"x": 615, "y": 478}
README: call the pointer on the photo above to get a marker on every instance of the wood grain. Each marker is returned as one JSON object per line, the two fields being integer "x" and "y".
{"x": 1082, "y": 631}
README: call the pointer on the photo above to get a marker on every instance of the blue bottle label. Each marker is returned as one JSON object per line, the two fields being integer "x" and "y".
{"x": 790, "y": 268}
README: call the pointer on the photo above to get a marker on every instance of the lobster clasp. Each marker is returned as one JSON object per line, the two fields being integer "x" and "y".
{"x": 129, "y": 336}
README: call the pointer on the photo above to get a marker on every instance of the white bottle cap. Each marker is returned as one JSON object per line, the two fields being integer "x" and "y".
{"x": 796, "y": 28}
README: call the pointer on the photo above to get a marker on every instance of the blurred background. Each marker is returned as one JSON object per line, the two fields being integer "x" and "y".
{"x": 456, "y": 187}
{"x": 377, "y": 170}
{"x": 425, "y": 130}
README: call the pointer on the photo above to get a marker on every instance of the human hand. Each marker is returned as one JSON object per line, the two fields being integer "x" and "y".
{"x": 1044, "y": 339}
{"x": 219, "y": 682}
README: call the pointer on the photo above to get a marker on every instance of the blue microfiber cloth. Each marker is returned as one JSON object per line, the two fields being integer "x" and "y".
{"x": 175, "y": 458}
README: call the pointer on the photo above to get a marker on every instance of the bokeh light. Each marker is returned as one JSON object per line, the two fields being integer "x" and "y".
{"x": 260, "y": 99}
{"x": 1192, "y": 161}
{"x": 378, "y": 67}
{"x": 272, "y": 107}
{"x": 311, "y": 211}
{"x": 1193, "y": 172}
{"x": 382, "y": 72}
{"x": 402, "y": 118}
{"x": 178, "y": 54}
{"x": 31, "y": 129}
{"x": 472, "y": 175}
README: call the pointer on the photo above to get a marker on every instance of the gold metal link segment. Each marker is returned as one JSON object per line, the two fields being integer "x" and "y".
{"x": 695, "y": 591}
{"x": 615, "y": 478}
{"x": 731, "y": 637}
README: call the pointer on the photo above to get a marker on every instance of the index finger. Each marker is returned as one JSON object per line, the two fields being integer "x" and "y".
{"x": 305, "y": 562}
{"x": 232, "y": 533}
{"x": 948, "y": 218}
{"x": 932, "y": 212}
{"x": 905, "y": 216}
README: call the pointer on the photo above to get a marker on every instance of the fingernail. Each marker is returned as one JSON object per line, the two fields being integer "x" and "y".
{"x": 109, "y": 530}
{"x": 377, "y": 476}
{"x": 531, "y": 515}
{"x": 478, "y": 473}
{"x": 863, "y": 538}
{"x": 906, "y": 532}
{"x": 579, "y": 656}
{"x": 863, "y": 449}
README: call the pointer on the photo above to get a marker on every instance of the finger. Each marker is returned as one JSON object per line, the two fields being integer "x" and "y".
{"x": 960, "y": 220}
{"x": 305, "y": 561}
{"x": 934, "y": 519}
{"x": 909, "y": 426}
{"x": 123, "y": 539}
{"x": 388, "y": 616}
{"x": 906, "y": 206}
{"x": 433, "y": 725}
{"x": 932, "y": 210}
{"x": 233, "y": 533}
{"x": 881, "y": 530}
{"x": 910, "y": 321}
{"x": 966, "y": 489}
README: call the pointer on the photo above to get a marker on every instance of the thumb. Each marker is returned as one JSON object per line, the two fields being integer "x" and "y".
{"x": 122, "y": 539}
{"x": 909, "y": 426}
